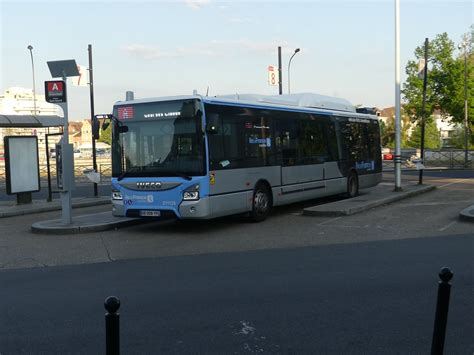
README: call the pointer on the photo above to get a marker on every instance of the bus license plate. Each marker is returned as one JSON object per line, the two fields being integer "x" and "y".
{"x": 150, "y": 213}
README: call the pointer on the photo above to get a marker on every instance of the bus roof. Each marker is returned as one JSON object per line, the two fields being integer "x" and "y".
{"x": 326, "y": 104}
{"x": 307, "y": 100}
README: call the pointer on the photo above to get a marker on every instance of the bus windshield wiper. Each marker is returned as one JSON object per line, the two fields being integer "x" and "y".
{"x": 183, "y": 175}
{"x": 126, "y": 172}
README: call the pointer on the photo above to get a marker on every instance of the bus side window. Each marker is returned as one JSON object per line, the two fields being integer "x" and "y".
{"x": 331, "y": 141}
{"x": 312, "y": 145}
{"x": 346, "y": 142}
{"x": 286, "y": 129}
{"x": 216, "y": 147}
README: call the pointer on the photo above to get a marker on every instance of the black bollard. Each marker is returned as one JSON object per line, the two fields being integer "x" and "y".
{"x": 112, "y": 326}
{"x": 442, "y": 306}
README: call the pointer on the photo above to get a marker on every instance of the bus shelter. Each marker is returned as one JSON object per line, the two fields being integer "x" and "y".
{"x": 41, "y": 125}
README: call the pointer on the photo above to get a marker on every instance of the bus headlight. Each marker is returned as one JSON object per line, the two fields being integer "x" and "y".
{"x": 116, "y": 195}
{"x": 190, "y": 195}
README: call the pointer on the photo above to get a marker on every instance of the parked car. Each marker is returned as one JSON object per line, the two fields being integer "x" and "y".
{"x": 387, "y": 154}
{"x": 77, "y": 153}
{"x": 102, "y": 152}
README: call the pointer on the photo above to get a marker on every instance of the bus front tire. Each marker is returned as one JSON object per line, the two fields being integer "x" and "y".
{"x": 352, "y": 185}
{"x": 261, "y": 203}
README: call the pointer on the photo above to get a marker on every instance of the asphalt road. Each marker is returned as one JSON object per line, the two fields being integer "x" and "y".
{"x": 365, "y": 298}
{"x": 362, "y": 284}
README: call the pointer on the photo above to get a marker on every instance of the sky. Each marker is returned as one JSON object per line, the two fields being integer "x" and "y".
{"x": 161, "y": 48}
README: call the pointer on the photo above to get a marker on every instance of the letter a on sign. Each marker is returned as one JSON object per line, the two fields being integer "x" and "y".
{"x": 55, "y": 91}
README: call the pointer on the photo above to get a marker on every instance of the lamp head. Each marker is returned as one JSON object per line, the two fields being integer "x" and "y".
{"x": 30, "y": 47}
{"x": 297, "y": 50}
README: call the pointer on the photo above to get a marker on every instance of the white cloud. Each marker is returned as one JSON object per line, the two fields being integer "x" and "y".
{"x": 213, "y": 48}
{"x": 250, "y": 46}
{"x": 196, "y": 4}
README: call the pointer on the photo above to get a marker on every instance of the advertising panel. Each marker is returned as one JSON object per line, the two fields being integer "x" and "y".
{"x": 21, "y": 164}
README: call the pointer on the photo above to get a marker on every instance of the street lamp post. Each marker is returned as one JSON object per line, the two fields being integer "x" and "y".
{"x": 466, "y": 123}
{"x": 289, "y": 63}
{"x": 30, "y": 48}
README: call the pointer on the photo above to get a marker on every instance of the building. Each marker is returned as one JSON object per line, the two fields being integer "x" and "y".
{"x": 20, "y": 101}
{"x": 75, "y": 134}
{"x": 445, "y": 126}
{"x": 86, "y": 132}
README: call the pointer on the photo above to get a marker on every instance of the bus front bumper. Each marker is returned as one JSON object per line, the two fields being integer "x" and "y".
{"x": 195, "y": 209}
{"x": 186, "y": 210}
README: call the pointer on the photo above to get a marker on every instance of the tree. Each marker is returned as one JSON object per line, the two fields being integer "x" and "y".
{"x": 457, "y": 139}
{"x": 106, "y": 135}
{"x": 432, "y": 136}
{"x": 445, "y": 85}
{"x": 387, "y": 131}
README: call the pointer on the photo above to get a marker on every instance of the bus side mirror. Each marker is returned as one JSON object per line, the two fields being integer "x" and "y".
{"x": 106, "y": 123}
{"x": 106, "y": 118}
{"x": 190, "y": 109}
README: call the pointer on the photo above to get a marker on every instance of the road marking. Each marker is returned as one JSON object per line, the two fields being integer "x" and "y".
{"x": 447, "y": 226}
{"x": 435, "y": 203}
{"x": 452, "y": 183}
{"x": 348, "y": 226}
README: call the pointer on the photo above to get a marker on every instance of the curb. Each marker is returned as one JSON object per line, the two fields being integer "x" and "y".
{"x": 467, "y": 214}
{"x": 55, "y": 227}
{"x": 55, "y": 207}
{"x": 332, "y": 210}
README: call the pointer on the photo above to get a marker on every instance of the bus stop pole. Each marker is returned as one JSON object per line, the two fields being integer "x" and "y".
{"x": 67, "y": 169}
{"x": 280, "y": 79}
{"x": 48, "y": 169}
{"x": 397, "y": 157}
{"x": 91, "y": 89}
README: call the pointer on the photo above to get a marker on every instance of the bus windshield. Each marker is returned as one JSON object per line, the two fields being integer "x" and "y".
{"x": 160, "y": 141}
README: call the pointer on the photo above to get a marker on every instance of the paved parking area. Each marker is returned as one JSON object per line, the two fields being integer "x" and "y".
{"x": 429, "y": 215}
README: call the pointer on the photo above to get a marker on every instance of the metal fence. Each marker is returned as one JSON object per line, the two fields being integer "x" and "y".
{"x": 104, "y": 168}
{"x": 446, "y": 159}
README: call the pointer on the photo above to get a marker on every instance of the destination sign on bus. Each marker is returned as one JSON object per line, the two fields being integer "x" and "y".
{"x": 155, "y": 110}
{"x": 161, "y": 114}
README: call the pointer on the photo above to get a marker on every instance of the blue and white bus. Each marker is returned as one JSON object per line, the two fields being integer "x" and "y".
{"x": 198, "y": 157}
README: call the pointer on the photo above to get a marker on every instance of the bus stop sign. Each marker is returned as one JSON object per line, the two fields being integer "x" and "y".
{"x": 55, "y": 91}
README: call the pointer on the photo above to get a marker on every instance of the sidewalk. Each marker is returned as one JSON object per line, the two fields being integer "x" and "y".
{"x": 96, "y": 222}
{"x": 11, "y": 209}
{"x": 380, "y": 195}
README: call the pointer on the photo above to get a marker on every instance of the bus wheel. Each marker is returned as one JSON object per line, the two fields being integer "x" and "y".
{"x": 261, "y": 203}
{"x": 352, "y": 185}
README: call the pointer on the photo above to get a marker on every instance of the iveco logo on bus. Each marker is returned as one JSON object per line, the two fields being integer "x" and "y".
{"x": 148, "y": 185}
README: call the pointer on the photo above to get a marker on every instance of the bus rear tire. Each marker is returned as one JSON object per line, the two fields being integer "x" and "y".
{"x": 352, "y": 185}
{"x": 261, "y": 203}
